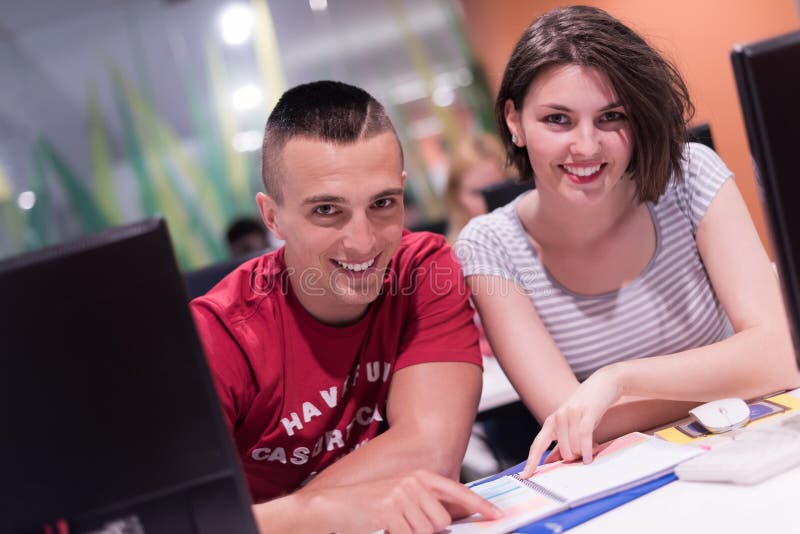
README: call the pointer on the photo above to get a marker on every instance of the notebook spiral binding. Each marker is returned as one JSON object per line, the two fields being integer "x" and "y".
{"x": 538, "y": 489}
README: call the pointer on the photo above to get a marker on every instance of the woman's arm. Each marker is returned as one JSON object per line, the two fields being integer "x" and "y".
{"x": 537, "y": 369}
{"x": 528, "y": 355}
{"x": 756, "y": 360}
{"x": 759, "y": 357}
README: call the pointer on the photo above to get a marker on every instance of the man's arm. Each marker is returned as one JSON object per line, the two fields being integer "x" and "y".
{"x": 433, "y": 396}
{"x": 430, "y": 410}
{"x": 418, "y": 502}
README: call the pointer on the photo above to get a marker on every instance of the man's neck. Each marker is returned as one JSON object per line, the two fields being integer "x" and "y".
{"x": 324, "y": 309}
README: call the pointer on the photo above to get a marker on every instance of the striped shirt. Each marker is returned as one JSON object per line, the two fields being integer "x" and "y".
{"x": 670, "y": 307}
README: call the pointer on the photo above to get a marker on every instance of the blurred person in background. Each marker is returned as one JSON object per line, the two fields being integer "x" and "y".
{"x": 477, "y": 162}
{"x": 246, "y": 235}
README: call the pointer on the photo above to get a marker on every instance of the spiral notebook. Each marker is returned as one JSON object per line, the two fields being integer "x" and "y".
{"x": 623, "y": 463}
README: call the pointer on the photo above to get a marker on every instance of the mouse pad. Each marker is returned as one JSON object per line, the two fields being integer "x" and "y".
{"x": 757, "y": 411}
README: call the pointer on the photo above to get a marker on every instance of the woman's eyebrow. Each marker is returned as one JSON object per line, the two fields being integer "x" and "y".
{"x": 561, "y": 107}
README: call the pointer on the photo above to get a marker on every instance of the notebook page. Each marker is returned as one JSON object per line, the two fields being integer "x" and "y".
{"x": 521, "y": 503}
{"x": 626, "y": 462}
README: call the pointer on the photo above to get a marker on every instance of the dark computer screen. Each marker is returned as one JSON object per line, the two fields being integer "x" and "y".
{"x": 109, "y": 414}
{"x": 768, "y": 80}
{"x": 200, "y": 281}
{"x": 701, "y": 133}
{"x": 500, "y": 194}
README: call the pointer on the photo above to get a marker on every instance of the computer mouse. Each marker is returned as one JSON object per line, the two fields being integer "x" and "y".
{"x": 722, "y": 415}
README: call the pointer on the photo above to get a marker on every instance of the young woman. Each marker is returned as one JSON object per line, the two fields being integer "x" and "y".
{"x": 630, "y": 284}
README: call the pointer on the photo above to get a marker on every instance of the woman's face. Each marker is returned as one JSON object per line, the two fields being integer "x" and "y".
{"x": 483, "y": 174}
{"x": 576, "y": 133}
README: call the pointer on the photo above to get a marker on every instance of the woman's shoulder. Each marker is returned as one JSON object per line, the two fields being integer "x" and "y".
{"x": 701, "y": 167}
{"x": 488, "y": 243}
{"x": 499, "y": 224}
{"x": 698, "y": 157}
{"x": 704, "y": 172}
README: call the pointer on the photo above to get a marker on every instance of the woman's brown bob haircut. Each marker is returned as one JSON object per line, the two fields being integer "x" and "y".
{"x": 649, "y": 87}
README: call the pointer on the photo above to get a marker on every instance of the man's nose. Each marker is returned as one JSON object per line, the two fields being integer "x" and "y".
{"x": 359, "y": 235}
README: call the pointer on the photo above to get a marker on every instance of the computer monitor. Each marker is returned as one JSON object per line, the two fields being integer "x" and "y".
{"x": 110, "y": 419}
{"x": 768, "y": 80}
{"x": 200, "y": 281}
{"x": 701, "y": 133}
{"x": 500, "y": 194}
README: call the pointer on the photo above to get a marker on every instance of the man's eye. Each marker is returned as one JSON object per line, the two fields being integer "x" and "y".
{"x": 325, "y": 209}
{"x": 384, "y": 203}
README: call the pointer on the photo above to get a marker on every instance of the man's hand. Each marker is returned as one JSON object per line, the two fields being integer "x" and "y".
{"x": 421, "y": 502}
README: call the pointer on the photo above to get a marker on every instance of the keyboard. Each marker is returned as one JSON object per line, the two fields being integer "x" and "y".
{"x": 749, "y": 456}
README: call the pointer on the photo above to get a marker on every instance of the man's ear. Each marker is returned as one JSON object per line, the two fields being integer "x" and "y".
{"x": 403, "y": 177}
{"x": 269, "y": 214}
{"x": 514, "y": 122}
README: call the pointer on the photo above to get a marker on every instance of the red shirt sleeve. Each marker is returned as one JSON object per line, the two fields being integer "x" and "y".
{"x": 439, "y": 325}
{"x": 228, "y": 365}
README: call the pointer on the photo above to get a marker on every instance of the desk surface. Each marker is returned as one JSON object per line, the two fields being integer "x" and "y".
{"x": 683, "y": 507}
{"x": 771, "y": 506}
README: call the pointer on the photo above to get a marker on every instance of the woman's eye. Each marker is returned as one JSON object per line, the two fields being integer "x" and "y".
{"x": 556, "y": 118}
{"x": 325, "y": 209}
{"x": 613, "y": 116}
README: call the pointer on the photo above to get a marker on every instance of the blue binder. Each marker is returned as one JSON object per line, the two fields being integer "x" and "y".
{"x": 575, "y": 516}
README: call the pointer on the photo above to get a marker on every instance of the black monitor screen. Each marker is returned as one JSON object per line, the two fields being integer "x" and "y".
{"x": 768, "y": 80}
{"x": 500, "y": 194}
{"x": 107, "y": 406}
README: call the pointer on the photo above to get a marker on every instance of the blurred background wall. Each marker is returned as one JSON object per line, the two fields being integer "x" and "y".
{"x": 114, "y": 110}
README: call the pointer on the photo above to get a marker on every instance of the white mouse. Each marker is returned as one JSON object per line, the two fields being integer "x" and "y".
{"x": 722, "y": 415}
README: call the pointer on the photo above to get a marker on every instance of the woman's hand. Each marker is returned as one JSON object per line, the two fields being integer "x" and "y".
{"x": 573, "y": 423}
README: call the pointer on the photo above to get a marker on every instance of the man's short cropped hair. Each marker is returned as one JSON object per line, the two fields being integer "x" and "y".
{"x": 328, "y": 111}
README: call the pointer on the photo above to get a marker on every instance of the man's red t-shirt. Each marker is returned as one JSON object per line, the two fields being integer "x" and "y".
{"x": 299, "y": 394}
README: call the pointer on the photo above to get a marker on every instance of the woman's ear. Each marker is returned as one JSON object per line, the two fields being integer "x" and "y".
{"x": 514, "y": 123}
{"x": 269, "y": 214}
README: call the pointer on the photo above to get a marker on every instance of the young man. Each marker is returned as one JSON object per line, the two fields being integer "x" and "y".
{"x": 349, "y": 355}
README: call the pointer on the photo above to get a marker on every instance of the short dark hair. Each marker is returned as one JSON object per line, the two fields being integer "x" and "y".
{"x": 650, "y": 88}
{"x": 326, "y": 110}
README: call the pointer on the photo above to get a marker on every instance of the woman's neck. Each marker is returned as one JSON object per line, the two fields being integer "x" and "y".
{"x": 554, "y": 222}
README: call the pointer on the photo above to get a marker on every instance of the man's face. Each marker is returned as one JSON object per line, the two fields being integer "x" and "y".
{"x": 342, "y": 221}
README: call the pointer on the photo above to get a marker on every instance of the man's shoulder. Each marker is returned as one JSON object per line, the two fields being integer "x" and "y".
{"x": 250, "y": 286}
{"x": 419, "y": 248}
{"x": 422, "y": 261}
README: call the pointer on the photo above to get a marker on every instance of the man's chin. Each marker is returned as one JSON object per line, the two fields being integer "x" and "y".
{"x": 356, "y": 295}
